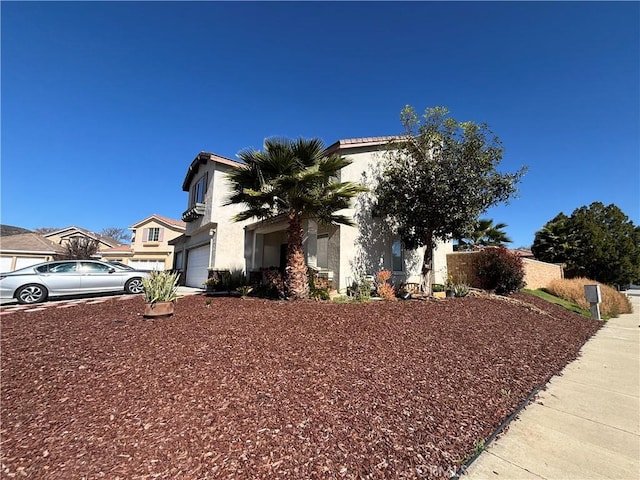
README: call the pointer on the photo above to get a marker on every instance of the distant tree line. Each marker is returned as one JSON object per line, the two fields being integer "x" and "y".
{"x": 597, "y": 242}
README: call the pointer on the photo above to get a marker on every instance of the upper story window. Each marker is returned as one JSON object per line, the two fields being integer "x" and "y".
{"x": 199, "y": 189}
{"x": 152, "y": 234}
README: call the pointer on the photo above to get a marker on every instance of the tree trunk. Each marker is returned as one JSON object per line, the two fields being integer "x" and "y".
{"x": 427, "y": 265}
{"x": 296, "y": 281}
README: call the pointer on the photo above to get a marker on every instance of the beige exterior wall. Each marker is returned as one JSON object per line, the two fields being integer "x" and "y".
{"x": 536, "y": 274}
{"x": 216, "y": 227}
{"x": 159, "y": 250}
{"x": 369, "y": 245}
{"x": 540, "y": 274}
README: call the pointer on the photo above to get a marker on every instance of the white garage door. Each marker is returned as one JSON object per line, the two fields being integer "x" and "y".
{"x": 147, "y": 265}
{"x": 22, "y": 262}
{"x": 5, "y": 264}
{"x": 197, "y": 266}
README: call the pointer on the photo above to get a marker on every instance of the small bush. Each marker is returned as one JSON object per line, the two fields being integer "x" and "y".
{"x": 273, "y": 282}
{"x": 160, "y": 287}
{"x": 386, "y": 291}
{"x": 437, "y": 287}
{"x": 500, "y": 270}
{"x": 460, "y": 290}
{"x": 613, "y": 302}
{"x": 383, "y": 288}
{"x": 362, "y": 290}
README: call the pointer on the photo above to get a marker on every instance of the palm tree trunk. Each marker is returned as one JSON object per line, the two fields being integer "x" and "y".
{"x": 296, "y": 281}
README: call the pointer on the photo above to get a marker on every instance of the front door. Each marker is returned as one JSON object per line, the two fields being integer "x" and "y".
{"x": 283, "y": 258}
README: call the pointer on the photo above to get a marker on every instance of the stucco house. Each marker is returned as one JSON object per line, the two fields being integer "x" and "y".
{"x": 212, "y": 240}
{"x": 25, "y": 249}
{"x": 150, "y": 248}
{"x": 64, "y": 235}
{"x": 341, "y": 253}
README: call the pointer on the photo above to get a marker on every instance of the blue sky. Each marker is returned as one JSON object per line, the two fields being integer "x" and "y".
{"x": 105, "y": 104}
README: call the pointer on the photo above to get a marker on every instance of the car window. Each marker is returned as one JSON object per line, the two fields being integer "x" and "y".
{"x": 120, "y": 266}
{"x": 65, "y": 267}
{"x": 91, "y": 267}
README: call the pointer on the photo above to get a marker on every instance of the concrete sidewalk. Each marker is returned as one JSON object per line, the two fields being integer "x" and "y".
{"x": 586, "y": 424}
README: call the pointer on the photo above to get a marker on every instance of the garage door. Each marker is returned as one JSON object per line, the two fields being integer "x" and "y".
{"x": 147, "y": 265}
{"x": 197, "y": 266}
{"x": 5, "y": 264}
{"x": 22, "y": 262}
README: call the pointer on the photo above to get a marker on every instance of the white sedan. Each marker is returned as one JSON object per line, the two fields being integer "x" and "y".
{"x": 68, "y": 277}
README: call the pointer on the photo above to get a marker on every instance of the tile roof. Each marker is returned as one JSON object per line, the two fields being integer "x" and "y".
{"x": 169, "y": 221}
{"x": 201, "y": 159}
{"x": 101, "y": 238}
{"x": 29, "y": 242}
{"x": 360, "y": 142}
{"x": 117, "y": 250}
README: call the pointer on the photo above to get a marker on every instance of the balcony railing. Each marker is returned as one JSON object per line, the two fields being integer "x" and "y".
{"x": 196, "y": 211}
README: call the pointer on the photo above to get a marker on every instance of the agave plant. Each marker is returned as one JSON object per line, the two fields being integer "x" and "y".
{"x": 160, "y": 287}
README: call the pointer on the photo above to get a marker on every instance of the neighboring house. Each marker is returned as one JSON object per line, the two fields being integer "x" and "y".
{"x": 63, "y": 236}
{"x": 25, "y": 249}
{"x": 212, "y": 240}
{"x": 150, "y": 248}
{"x": 342, "y": 253}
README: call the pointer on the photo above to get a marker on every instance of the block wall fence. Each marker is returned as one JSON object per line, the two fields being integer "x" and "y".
{"x": 461, "y": 266}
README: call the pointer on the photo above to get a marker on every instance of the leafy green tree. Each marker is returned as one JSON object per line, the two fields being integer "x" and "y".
{"x": 598, "y": 242}
{"x": 484, "y": 234}
{"x": 551, "y": 243}
{"x": 438, "y": 178}
{"x": 296, "y": 179}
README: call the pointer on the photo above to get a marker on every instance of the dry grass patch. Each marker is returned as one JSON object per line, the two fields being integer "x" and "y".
{"x": 614, "y": 303}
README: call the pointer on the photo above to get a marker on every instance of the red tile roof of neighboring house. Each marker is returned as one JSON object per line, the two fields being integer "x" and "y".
{"x": 360, "y": 142}
{"x": 119, "y": 250}
{"x": 100, "y": 238}
{"x": 169, "y": 221}
{"x": 29, "y": 242}
{"x": 522, "y": 252}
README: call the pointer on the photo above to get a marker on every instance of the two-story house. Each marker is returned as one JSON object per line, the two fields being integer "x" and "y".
{"x": 212, "y": 240}
{"x": 342, "y": 253}
{"x": 150, "y": 248}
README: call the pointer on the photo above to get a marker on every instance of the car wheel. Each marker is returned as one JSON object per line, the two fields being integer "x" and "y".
{"x": 134, "y": 285}
{"x": 32, "y": 293}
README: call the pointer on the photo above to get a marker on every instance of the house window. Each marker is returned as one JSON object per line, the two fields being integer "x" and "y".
{"x": 396, "y": 256}
{"x": 323, "y": 251}
{"x": 152, "y": 234}
{"x": 199, "y": 190}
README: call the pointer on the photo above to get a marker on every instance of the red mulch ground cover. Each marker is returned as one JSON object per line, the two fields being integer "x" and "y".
{"x": 266, "y": 389}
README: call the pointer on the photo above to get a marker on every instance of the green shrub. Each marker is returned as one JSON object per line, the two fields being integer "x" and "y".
{"x": 437, "y": 287}
{"x": 460, "y": 290}
{"x": 500, "y": 270}
{"x": 160, "y": 287}
{"x": 362, "y": 290}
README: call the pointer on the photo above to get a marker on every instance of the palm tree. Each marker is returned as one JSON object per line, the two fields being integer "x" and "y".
{"x": 485, "y": 234}
{"x": 295, "y": 178}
